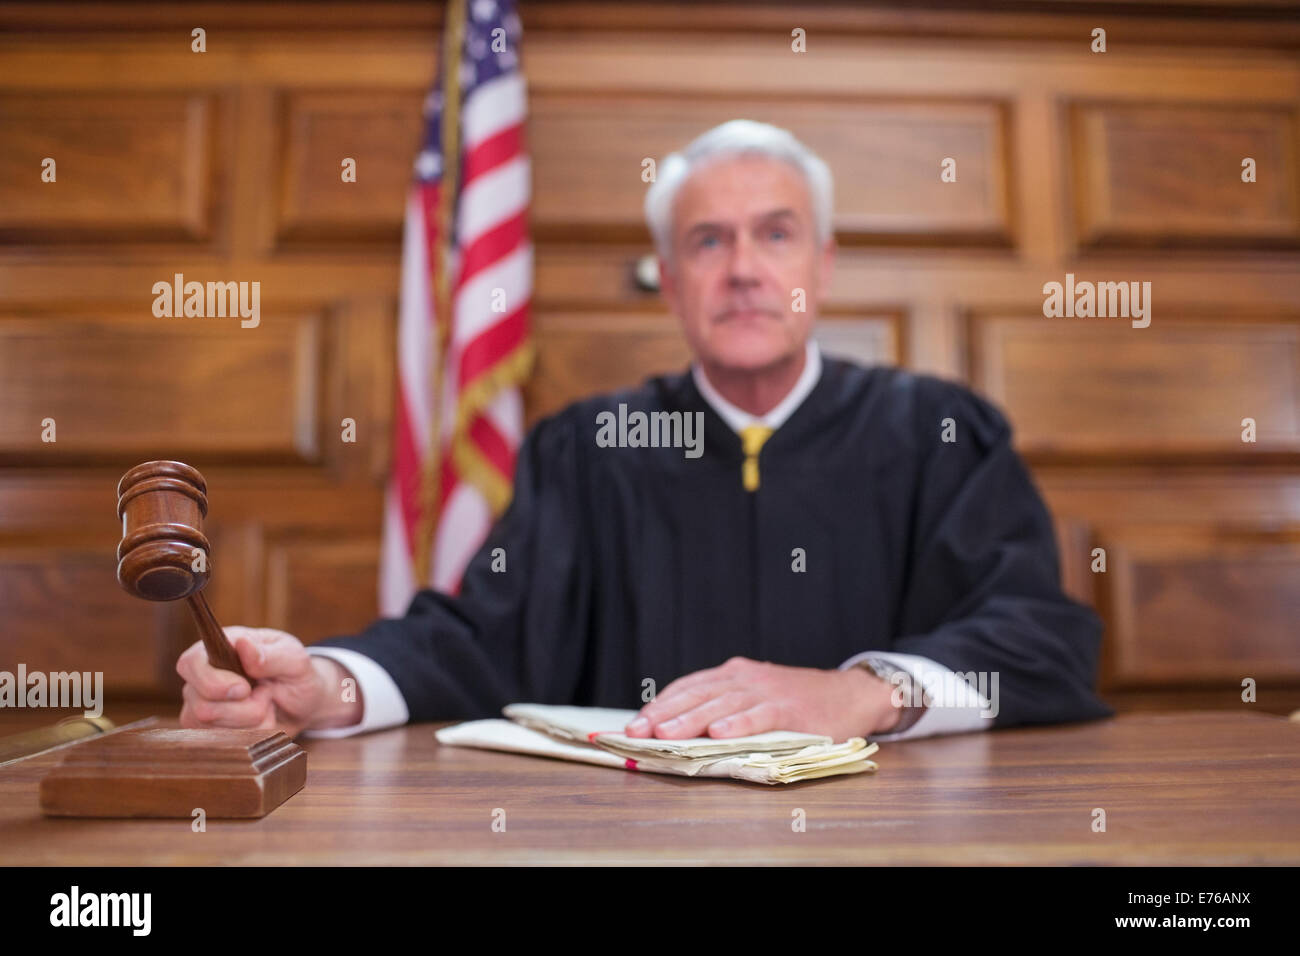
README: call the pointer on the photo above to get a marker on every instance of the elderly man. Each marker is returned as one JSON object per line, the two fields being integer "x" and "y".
{"x": 832, "y": 516}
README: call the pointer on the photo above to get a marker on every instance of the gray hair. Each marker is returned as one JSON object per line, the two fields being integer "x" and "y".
{"x": 738, "y": 137}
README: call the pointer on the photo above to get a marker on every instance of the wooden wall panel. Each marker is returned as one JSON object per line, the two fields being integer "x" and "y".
{"x": 885, "y": 154}
{"x": 128, "y": 387}
{"x": 1171, "y": 174}
{"x": 226, "y": 165}
{"x": 1074, "y": 555}
{"x": 64, "y": 610}
{"x": 1200, "y": 569}
{"x": 380, "y": 130}
{"x": 1191, "y": 604}
{"x": 630, "y": 349}
{"x": 321, "y": 587}
{"x": 1099, "y": 388}
{"x": 140, "y": 167}
{"x": 866, "y": 339}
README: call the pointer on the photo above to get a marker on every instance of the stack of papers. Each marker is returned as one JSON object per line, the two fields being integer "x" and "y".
{"x": 595, "y": 735}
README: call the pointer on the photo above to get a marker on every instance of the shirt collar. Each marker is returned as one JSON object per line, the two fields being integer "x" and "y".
{"x": 737, "y": 418}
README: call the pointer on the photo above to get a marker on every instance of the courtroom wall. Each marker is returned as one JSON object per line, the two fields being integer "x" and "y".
{"x": 1070, "y": 166}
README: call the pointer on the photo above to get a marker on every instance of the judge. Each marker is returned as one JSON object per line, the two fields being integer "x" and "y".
{"x": 846, "y": 550}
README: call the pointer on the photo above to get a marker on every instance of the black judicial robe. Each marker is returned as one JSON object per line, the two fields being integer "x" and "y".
{"x": 623, "y": 564}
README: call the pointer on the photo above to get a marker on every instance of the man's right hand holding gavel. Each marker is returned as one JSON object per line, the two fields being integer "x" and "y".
{"x": 292, "y": 690}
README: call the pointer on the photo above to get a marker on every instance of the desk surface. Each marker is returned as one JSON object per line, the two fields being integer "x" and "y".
{"x": 1183, "y": 789}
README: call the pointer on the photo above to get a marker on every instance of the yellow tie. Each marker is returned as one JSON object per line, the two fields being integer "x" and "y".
{"x": 752, "y": 438}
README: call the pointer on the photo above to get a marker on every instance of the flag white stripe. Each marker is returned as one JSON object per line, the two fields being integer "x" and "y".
{"x": 498, "y": 104}
{"x": 396, "y": 575}
{"x": 415, "y": 325}
{"x": 506, "y": 413}
{"x": 461, "y": 529}
{"x": 492, "y": 198}
{"x": 513, "y": 274}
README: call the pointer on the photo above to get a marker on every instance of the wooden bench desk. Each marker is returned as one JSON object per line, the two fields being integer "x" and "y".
{"x": 1207, "y": 788}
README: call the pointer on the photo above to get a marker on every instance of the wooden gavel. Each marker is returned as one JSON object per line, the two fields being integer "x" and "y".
{"x": 164, "y": 555}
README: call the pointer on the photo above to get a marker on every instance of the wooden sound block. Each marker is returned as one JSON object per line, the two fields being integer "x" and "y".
{"x": 170, "y": 772}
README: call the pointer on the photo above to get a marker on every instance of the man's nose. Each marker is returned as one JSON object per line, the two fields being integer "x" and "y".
{"x": 743, "y": 267}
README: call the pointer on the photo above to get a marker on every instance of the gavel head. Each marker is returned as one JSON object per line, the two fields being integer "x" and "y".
{"x": 163, "y": 555}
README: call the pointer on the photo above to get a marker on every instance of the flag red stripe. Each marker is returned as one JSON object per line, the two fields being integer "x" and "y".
{"x": 450, "y": 479}
{"x": 493, "y": 343}
{"x": 499, "y": 148}
{"x": 490, "y": 247}
{"x": 494, "y": 446}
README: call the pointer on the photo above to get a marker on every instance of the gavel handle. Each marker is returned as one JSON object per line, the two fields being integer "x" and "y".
{"x": 220, "y": 654}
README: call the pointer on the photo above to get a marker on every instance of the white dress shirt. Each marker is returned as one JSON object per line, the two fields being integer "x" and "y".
{"x": 382, "y": 703}
{"x": 954, "y": 704}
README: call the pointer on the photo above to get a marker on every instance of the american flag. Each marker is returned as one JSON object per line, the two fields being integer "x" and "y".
{"x": 463, "y": 347}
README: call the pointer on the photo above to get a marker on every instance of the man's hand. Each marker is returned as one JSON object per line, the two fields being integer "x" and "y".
{"x": 745, "y": 696}
{"x": 292, "y": 691}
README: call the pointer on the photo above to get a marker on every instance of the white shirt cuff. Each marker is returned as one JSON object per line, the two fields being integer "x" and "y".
{"x": 382, "y": 702}
{"x": 956, "y": 705}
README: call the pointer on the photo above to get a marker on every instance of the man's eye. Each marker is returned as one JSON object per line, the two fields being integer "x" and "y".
{"x": 778, "y": 234}
{"x": 708, "y": 241}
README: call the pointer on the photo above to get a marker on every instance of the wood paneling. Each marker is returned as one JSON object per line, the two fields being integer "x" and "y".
{"x": 1255, "y": 23}
{"x": 1191, "y": 604}
{"x": 886, "y": 156}
{"x": 64, "y": 611}
{"x": 321, "y": 587}
{"x": 380, "y": 131}
{"x": 1200, "y": 565}
{"x": 1172, "y": 174}
{"x": 866, "y": 339}
{"x": 1099, "y": 388}
{"x": 226, "y": 166}
{"x": 128, "y": 387}
{"x": 1074, "y": 555}
{"x": 140, "y": 167}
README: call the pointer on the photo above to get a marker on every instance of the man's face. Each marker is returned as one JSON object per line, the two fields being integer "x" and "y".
{"x": 743, "y": 241}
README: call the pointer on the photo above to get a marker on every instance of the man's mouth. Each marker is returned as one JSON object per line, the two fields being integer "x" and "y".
{"x": 747, "y": 315}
